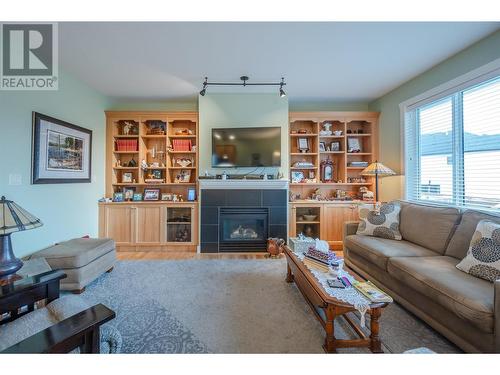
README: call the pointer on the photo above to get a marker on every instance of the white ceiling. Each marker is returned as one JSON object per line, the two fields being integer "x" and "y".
{"x": 320, "y": 61}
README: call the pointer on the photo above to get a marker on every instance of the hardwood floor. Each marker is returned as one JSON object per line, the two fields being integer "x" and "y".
{"x": 151, "y": 255}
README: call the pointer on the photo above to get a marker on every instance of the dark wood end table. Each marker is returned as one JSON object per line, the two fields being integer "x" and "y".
{"x": 327, "y": 308}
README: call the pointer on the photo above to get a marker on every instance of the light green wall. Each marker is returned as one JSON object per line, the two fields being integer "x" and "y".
{"x": 328, "y": 106}
{"x": 67, "y": 210}
{"x": 154, "y": 105}
{"x": 471, "y": 58}
{"x": 240, "y": 110}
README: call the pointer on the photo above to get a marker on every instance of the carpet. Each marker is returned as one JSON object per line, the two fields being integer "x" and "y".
{"x": 231, "y": 306}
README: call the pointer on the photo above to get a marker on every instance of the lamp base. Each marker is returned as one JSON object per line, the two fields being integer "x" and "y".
{"x": 9, "y": 264}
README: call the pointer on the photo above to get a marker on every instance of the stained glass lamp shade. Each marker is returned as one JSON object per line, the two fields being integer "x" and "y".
{"x": 378, "y": 170}
{"x": 13, "y": 218}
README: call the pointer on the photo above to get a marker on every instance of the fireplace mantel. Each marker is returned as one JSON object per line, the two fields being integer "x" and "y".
{"x": 244, "y": 184}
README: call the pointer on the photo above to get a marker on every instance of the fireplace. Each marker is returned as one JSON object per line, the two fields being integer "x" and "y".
{"x": 243, "y": 229}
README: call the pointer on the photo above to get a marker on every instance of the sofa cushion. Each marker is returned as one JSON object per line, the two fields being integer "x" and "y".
{"x": 379, "y": 250}
{"x": 483, "y": 256}
{"x": 459, "y": 243}
{"x": 438, "y": 278}
{"x": 428, "y": 226}
{"x": 382, "y": 222}
{"x": 76, "y": 253}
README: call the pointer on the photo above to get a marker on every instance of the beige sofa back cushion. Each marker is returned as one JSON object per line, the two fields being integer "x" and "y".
{"x": 459, "y": 243}
{"x": 428, "y": 226}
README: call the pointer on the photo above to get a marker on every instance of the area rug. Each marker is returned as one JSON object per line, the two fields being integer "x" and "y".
{"x": 231, "y": 306}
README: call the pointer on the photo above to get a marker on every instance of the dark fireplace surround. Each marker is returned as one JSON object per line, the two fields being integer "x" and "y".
{"x": 241, "y": 220}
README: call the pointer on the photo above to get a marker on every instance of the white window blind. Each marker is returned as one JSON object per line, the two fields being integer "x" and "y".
{"x": 452, "y": 148}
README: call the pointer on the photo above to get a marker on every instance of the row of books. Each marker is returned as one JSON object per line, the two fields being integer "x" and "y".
{"x": 313, "y": 263}
{"x": 126, "y": 145}
{"x": 181, "y": 144}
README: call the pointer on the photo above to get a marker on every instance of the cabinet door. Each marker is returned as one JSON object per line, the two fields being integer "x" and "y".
{"x": 292, "y": 232}
{"x": 181, "y": 225}
{"x": 148, "y": 224}
{"x": 117, "y": 223}
{"x": 334, "y": 217}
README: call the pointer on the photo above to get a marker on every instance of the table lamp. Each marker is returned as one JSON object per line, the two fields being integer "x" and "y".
{"x": 377, "y": 169}
{"x": 13, "y": 218}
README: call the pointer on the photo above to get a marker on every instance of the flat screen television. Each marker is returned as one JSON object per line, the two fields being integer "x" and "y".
{"x": 246, "y": 147}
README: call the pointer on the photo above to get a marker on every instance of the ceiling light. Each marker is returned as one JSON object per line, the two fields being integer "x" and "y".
{"x": 244, "y": 83}
{"x": 232, "y": 137}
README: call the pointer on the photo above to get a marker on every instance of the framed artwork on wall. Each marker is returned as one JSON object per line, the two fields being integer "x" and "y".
{"x": 61, "y": 152}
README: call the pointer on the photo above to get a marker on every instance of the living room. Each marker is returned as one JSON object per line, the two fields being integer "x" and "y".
{"x": 282, "y": 187}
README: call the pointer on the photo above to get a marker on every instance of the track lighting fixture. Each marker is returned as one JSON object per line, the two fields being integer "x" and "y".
{"x": 204, "y": 90}
{"x": 244, "y": 83}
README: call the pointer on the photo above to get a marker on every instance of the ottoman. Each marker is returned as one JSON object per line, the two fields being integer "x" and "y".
{"x": 82, "y": 259}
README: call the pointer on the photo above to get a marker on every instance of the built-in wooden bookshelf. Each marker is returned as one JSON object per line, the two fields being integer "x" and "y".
{"x": 361, "y": 126}
{"x": 143, "y": 152}
{"x": 156, "y": 135}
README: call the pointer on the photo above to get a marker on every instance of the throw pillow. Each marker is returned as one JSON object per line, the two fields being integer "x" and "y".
{"x": 380, "y": 222}
{"x": 483, "y": 257}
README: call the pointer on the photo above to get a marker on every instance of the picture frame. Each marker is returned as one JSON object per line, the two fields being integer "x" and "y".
{"x": 151, "y": 194}
{"x": 322, "y": 146}
{"x": 297, "y": 177}
{"x": 118, "y": 197}
{"x": 167, "y": 197}
{"x": 127, "y": 177}
{"x": 335, "y": 146}
{"x": 353, "y": 145}
{"x": 191, "y": 194}
{"x": 184, "y": 176}
{"x": 61, "y": 152}
{"x": 137, "y": 197}
{"x": 128, "y": 193}
{"x": 303, "y": 144}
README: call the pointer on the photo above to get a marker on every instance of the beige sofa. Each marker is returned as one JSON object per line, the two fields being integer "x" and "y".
{"x": 419, "y": 272}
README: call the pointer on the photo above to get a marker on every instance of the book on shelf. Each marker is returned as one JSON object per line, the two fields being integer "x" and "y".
{"x": 126, "y": 144}
{"x": 371, "y": 292}
{"x": 181, "y": 145}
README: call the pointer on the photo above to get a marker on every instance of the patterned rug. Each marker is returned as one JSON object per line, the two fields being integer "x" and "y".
{"x": 231, "y": 306}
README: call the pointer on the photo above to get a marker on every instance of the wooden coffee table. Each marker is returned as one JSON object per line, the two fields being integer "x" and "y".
{"x": 327, "y": 308}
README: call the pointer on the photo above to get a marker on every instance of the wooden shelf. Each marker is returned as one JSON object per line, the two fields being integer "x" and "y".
{"x": 182, "y": 136}
{"x": 156, "y": 168}
{"x": 359, "y": 153}
{"x": 359, "y": 135}
{"x": 182, "y": 152}
{"x": 303, "y": 153}
{"x": 330, "y": 184}
{"x": 332, "y": 152}
{"x": 304, "y": 135}
{"x": 125, "y": 136}
{"x": 125, "y": 152}
{"x": 154, "y": 136}
{"x": 182, "y": 168}
{"x": 153, "y": 184}
{"x": 332, "y": 136}
{"x": 125, "y": 168}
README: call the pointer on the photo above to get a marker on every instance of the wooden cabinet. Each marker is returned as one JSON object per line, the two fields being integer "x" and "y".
{"x": 327, "y": 225}
{"x": 150, "y": 226}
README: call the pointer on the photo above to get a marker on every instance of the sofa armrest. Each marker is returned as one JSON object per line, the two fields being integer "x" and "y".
{"x": 496, "y": 315}
{"x": 78, "y": 331}
{"x": 350, "y": 228}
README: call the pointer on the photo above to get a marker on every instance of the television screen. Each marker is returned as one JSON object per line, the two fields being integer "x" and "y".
{"x": 246, "y": 147}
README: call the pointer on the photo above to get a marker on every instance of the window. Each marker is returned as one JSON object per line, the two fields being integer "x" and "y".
{"x": 452, "y": 147}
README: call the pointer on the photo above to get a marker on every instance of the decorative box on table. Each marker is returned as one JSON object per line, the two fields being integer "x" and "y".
{"x": 301, "y": 244}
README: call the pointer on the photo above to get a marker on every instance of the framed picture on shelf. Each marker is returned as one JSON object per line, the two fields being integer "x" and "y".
{"x": 335, "y": 146}
{"x": 353, "y": 145}
{"x": 151, "y": 194}
{"x": 303, "y": 144}
{"x": 297, "y": 176}
{"x": 191, "y": 194}
{"x": 167, "y": 197}
{"x": 61, "y": 152}
{"x": 118, "y": 197}
{"x": 137, "y": 197}
{"x": 127, "y": 177}
{"x": 184, "y": 176}
{"x": 322, "y": 146}
{"x": 128, "y": 193}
